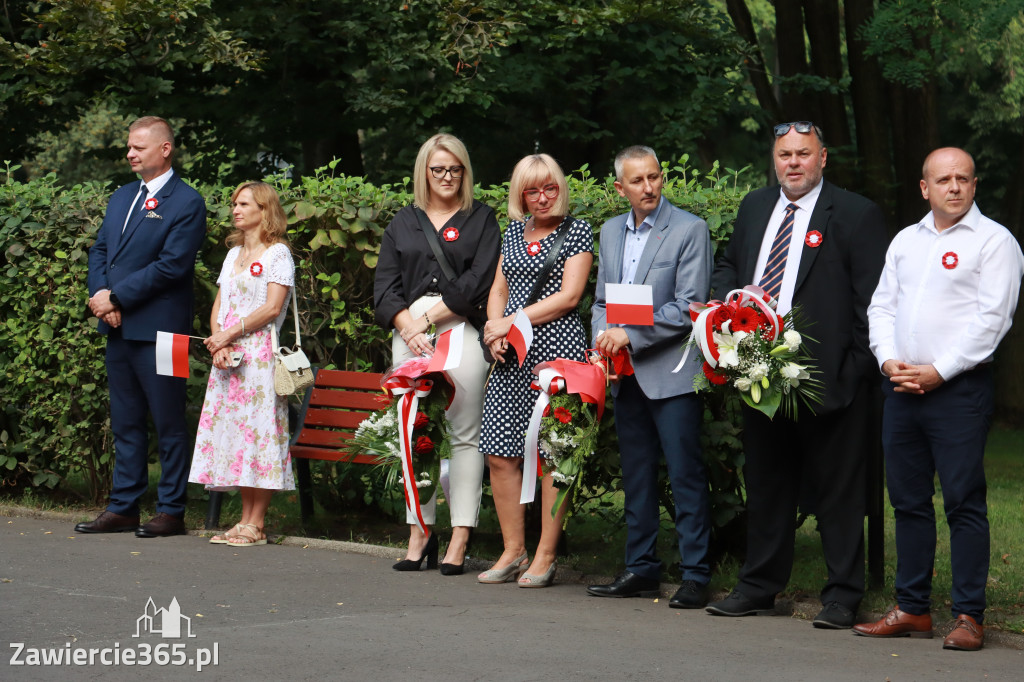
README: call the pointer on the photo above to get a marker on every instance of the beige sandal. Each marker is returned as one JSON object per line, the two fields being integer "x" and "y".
{"x": 223, "y": 538}
{"x": 247, "y": 536}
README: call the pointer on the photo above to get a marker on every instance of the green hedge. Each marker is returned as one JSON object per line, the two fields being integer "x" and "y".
{"x": 55, "y": 421}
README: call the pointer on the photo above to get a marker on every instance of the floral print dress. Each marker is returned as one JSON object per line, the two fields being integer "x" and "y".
{"x": 243, "y": 429}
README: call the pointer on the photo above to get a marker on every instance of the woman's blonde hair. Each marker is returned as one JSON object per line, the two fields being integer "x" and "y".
{"x": 273, "y": 224}
{"x": 421, "y": 174}
{"x": 532, "y": 171}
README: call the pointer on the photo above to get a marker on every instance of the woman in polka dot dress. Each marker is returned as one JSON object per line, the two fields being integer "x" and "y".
{"x": 538, "y": 187}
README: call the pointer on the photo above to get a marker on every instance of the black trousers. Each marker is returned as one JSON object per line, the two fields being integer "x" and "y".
{"x": 816, "y": 458}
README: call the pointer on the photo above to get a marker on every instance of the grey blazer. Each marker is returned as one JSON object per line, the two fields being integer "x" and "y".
{"x": 676, "y": 262}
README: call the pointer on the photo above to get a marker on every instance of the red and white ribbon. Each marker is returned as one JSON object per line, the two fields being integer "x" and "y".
{"x": 411, "y": 391}
{"x": 549, "y": 381}
{"x": 702, "y": 314}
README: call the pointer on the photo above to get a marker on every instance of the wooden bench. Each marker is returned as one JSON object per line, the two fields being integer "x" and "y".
{"x": 331, "y": 411}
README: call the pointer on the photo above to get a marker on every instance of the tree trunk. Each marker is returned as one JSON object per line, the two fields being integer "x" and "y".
{"x": 827, "y": 62}
{"x": 757, "y": 72}
{"x": 789, "y": 38}
{"x": 870, "y": 111}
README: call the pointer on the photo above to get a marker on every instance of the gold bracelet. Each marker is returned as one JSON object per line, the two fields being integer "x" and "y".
{"x": 243, "y": 326}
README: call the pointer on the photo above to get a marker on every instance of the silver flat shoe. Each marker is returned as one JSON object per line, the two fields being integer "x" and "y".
{"x": 497, "y": 576}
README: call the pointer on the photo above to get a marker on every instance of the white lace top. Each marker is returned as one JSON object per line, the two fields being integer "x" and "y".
{"x": 278, "y": 267}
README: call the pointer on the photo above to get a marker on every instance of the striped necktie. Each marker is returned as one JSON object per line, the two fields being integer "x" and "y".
{"x": 775, "y": 268}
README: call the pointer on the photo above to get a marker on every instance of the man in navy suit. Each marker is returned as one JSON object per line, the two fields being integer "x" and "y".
{"x": 657, "y": 413}
{"x": 140, "y": 282}
{"x": 818, "y": 248}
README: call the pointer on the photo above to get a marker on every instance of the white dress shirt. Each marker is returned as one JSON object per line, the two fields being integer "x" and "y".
{"x": 801, "y": 224}
{"x": 152, "y": 187}
{"x": 946, "y": 298}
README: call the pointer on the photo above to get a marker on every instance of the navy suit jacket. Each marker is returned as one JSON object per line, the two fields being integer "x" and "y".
{"x": 834, "y": 283}
{"x": 150, "y": 267}
{"x": 676, "y": 262}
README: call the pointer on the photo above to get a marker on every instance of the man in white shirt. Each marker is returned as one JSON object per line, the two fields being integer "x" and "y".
{"x": 945, "y": 300}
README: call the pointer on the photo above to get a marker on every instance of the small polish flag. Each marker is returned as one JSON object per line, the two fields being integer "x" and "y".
{"x": 172, "y": 354}
{"x": 448, "y": 350}
{"x": 629, "y": 304}
{"x": 521, "y": 335}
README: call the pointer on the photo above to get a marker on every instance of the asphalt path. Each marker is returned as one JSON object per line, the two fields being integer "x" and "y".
{"x": 327, "y": 610}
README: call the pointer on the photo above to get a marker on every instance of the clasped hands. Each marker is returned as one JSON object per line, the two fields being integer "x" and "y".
{"x": 415, "y": 336}
{"x": 101, "y": 307}
{"x": 915, "y": 379}
{"x": 219, "y": 344}
{"x": 495, "y": 333}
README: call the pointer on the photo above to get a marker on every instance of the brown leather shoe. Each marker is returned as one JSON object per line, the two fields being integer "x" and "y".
{"x": 897, "y": 623}
{"x": 109, "y": 522}
{"x": 160, "y": 526}
{"x": 967, "y": 635}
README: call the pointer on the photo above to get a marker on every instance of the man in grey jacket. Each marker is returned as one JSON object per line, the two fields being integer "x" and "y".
{"x": 657, "y": 412}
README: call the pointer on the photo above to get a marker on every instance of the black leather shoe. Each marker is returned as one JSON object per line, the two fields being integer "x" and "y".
{"x": 834, "y": 616}
{"x": 627, "y": 584}
{"x": 737, "y": 604}
{"x": 109, "y": 522}
{"x": 160, "y": 526}
{"x": 690, "y": 595}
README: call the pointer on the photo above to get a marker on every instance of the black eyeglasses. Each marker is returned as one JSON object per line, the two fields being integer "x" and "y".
{"x": 801, "y": 127}
{"x": 440, "y": 171}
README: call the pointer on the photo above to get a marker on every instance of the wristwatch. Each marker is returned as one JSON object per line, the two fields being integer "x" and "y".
{"x": 113, "y": 300}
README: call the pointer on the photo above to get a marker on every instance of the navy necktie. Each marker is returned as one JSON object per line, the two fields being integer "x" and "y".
{"x": 139, "y": 204}
{"x": 775, "y": 268}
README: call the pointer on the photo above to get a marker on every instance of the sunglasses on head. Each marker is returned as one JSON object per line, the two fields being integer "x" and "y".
{"x": 801, "y": 127}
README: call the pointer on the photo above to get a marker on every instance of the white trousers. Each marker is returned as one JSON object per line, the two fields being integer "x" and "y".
{"x": 466, "y": 468}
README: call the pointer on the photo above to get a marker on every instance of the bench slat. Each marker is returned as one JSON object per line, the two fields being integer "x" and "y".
{"x": 323, "y": 397}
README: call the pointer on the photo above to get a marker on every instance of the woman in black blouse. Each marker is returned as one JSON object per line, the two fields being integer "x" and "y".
{"x": 411, "y": 294}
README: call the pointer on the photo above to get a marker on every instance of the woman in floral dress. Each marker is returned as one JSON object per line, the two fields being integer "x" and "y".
{"x": 242, "y": 441}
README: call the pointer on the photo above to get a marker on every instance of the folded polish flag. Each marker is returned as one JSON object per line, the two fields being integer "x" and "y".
{"x": 629, "y": 304}
{"x": 448, "y": 349}
{"x": 521, "y": 335}
{"x": 172, "y": 354}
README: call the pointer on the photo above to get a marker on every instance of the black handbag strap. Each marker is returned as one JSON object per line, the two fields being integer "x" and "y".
{"x": 435, "y": 244}
{"x": 549, "y": 262}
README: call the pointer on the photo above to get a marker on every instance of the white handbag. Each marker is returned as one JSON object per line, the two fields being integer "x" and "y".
{"x": 292, "y": 371}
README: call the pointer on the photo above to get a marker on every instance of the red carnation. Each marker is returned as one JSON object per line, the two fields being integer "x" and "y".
{"x": 563, "y": 415}
{"x": 547, "y": 411}
{"x": 424, "y": 446}
{"x": 421, "y": 420}
{"x": 745, "y": 320}
{"x": 713, "y": 376}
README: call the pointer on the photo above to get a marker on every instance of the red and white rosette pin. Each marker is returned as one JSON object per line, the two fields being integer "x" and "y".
{"x": 549, "y": 381}
{"x": 813, "y": 239}
{"x": 950, "y": 260}
{"x": 533, "y": 248}
{"x": 450, "y": 234}
{"x": 256, "y": 269}
{"x": 411, "y": 391}
{"x": 151, "y": 204}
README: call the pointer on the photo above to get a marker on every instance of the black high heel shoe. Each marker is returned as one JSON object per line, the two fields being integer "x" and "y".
{"x": 457, "y": 569}
{"x": 429, "y": 553}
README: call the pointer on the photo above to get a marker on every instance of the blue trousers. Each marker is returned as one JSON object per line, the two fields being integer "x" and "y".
{"x": 942, "y": 432}
{"x": 649, "y": 429}
{"x": 136, "y": 391}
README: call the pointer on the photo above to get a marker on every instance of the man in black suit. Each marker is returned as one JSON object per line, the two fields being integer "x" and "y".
{"x": 820, "y": 249}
